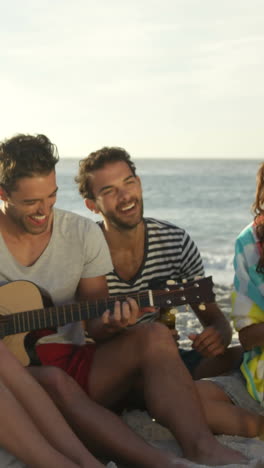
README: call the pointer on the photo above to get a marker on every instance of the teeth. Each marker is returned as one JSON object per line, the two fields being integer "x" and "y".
{"x": 128, "y": 207}
{"x": 39, "y": 218}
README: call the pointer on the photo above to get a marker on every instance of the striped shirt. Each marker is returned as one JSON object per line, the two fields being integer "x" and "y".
{"x": 170, "y": 253}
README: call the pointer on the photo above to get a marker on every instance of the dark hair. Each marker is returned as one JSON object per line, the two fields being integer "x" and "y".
{"x": 258, "y": 209}
{"x": 25, "y": 156}
{"x": 97, "y": 160}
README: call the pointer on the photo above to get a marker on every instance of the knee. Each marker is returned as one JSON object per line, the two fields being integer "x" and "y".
{"x": 152, "y": 331}
{"x": 153, "y": 336}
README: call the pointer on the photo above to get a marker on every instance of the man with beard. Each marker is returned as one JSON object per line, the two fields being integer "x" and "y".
{"x": 146, "y": 252}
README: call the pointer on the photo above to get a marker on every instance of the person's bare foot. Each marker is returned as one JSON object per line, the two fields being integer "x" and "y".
{"x": 216, "y": 454}
{"x": 166, "y": 459}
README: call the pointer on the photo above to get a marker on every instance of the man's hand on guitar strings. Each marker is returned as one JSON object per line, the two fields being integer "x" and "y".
{"x": 124, "y": 314}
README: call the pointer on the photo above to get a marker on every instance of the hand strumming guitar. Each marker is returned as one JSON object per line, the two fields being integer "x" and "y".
{"x": 209, "y": 342}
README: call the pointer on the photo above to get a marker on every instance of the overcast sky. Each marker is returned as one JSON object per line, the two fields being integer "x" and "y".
{"x": 162, "y": 78}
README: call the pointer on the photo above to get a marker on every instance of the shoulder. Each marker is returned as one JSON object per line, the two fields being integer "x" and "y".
{"x": 168, "y": 232}
{"x": 67, "y": 221}
{"x": 247, "y": 235}
{"x": 163, "y": 226}
{"x": 70, "y": 217}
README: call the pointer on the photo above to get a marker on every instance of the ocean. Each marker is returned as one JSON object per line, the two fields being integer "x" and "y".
{"x": 211, "y": 199}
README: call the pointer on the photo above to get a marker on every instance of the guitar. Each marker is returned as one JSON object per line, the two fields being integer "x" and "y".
{"x": 21, "y": 308}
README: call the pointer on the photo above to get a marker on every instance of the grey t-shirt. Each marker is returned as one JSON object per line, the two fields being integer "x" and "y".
{"x": 77, "y": 249}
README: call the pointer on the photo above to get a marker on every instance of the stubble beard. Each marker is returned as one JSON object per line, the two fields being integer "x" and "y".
{"x": 26, "y": 228}
{"x": 117, "y": 223}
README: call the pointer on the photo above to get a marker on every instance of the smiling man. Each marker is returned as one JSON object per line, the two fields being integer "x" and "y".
{"x": 143, "y": 252}
{"x": 147, "y": 251}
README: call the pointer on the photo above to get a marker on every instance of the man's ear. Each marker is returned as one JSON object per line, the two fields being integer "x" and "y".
{"x": 139, "y": 181}
{"x": 91, "y": 205}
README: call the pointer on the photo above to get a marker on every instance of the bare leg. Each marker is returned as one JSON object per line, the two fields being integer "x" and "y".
{"x": 20, "y": 436}
{"x": 225, "y": 418}
{"x": 148, "y": 351}
{"x": 99, "y": 429}
{"x": 227, "y": 362}
{"x": 42, "y": 414}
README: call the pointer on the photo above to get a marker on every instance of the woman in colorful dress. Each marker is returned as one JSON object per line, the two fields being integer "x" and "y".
{"x": 234, "y": 404}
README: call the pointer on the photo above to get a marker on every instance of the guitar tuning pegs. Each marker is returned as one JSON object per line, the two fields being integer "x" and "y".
{"x": 202, "y": 306}
{"x": 170, "y": 282}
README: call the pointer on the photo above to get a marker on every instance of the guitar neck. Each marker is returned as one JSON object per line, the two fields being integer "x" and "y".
{"x": 55, "y": 316}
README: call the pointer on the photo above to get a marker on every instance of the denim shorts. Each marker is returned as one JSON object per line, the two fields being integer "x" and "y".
{"x": 234, "y": 385}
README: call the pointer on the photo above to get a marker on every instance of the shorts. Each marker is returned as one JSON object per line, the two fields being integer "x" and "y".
{"x": 191, "y": 358}
{"x": 234, "y": 385}
{"x": 75, "y": 360}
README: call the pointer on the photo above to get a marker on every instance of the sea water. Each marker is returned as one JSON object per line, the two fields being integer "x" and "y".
{"x": 211, "y": 199}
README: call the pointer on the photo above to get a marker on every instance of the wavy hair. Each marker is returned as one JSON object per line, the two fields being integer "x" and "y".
{"x": 97, "y": 160}
{"x": 25, "y": 156}
{"x": 258, "y": 209}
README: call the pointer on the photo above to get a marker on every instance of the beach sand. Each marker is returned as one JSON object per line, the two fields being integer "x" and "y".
{"x": 158, "y": 435}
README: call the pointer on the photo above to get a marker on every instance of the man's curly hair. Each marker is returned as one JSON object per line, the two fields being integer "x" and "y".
{"x": 25, "y": 156}
{"x": 97, "y": 160}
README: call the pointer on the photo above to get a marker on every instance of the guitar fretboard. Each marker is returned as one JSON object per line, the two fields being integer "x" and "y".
{"x": 54, "y": 316}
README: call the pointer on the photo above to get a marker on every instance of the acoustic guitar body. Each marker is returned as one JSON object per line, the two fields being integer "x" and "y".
{"x": 16, "y": 297}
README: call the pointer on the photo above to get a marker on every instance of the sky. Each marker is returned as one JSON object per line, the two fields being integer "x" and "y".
{"x": 161, "y": 78}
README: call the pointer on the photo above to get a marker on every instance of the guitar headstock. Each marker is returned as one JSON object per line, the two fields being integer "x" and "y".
{"x": 199, "y": 291}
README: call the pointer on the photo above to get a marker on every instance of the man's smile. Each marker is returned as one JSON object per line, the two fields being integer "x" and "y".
{"x": 38, "y": 219}
{"x": 128, "y": 207}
